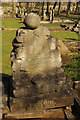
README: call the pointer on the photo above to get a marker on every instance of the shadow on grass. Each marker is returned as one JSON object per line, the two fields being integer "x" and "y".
{"x": 21, "y": 22}
{"x": 73, "y": 39}
{"x": 70, "y": 17}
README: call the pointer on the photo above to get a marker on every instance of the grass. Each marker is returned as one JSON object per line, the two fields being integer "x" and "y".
{"x": 69, "y": 23}
{"x": 7, "y": 37}
{"x": 72, "y": 69}
{"x": 65, "y": 35}
{"x": 51, "y": 25}
{"x": 12, "y": 23}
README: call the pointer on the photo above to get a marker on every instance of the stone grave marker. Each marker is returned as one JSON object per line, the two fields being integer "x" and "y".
{"x": 38, "y": 78}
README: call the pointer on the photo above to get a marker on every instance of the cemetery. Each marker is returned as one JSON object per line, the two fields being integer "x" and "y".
{"x": 40, "y": 60}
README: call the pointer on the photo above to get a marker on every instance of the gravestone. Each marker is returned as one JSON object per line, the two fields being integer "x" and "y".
{"x": 38, "y": 79}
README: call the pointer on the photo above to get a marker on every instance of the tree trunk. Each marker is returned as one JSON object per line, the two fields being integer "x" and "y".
{"x": 12, "y": 6}
{"x": 27, "y": 7}
{"x": 59, "y": 8}
{"x": 54, "y": 5}
{"x": 13, "y": 9}
{"x": 68, "y": 9}
{"x": 76, "y": 7}
{"x": 73, "y": 7}
{"x": 20, "y": 9}
{"x": 42, "y": 10}
{"x": 47, "y": 7}
{"x": 40, "y": 5}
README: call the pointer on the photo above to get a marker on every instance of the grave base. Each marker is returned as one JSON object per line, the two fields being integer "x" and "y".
{"x": 39, "y": 103}
{"x": 53, "y": 113}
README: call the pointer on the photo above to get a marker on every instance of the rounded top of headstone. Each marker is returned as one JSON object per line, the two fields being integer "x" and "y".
{"x": 32, "y": 20}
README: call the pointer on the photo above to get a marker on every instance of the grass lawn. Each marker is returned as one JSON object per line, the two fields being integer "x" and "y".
{"x": 7, "y": 37}
{"x": 65, "y": 35}
{"x": 12, "y": 23}
{"x": 51, "y": 25}
{"x": 72, "y": 70}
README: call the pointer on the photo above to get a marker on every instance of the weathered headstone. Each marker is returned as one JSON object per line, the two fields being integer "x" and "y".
{"x": 39, "y": 80}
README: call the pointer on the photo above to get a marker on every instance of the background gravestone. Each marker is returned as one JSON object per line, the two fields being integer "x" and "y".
{"x": 38, "y": 79}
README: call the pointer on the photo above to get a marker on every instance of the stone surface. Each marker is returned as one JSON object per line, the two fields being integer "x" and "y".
{"x": 38, "y": 79}
{"x": 62, "y": 48}
{"x": 39, "y": 56}
{"x": 41, "y": 102}
{"x": 32, "y": 20}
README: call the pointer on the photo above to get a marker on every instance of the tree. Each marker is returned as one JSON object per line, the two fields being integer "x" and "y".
{"x": 68, "y": 8}
{"x": 47, "y": 7}
{"x": 76, "y": 10}
{"x": 59, "y": 8}
{"x": 27, "y": 7}
{"x": 42, "y": 10}
{"x": 54, "y": 5}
